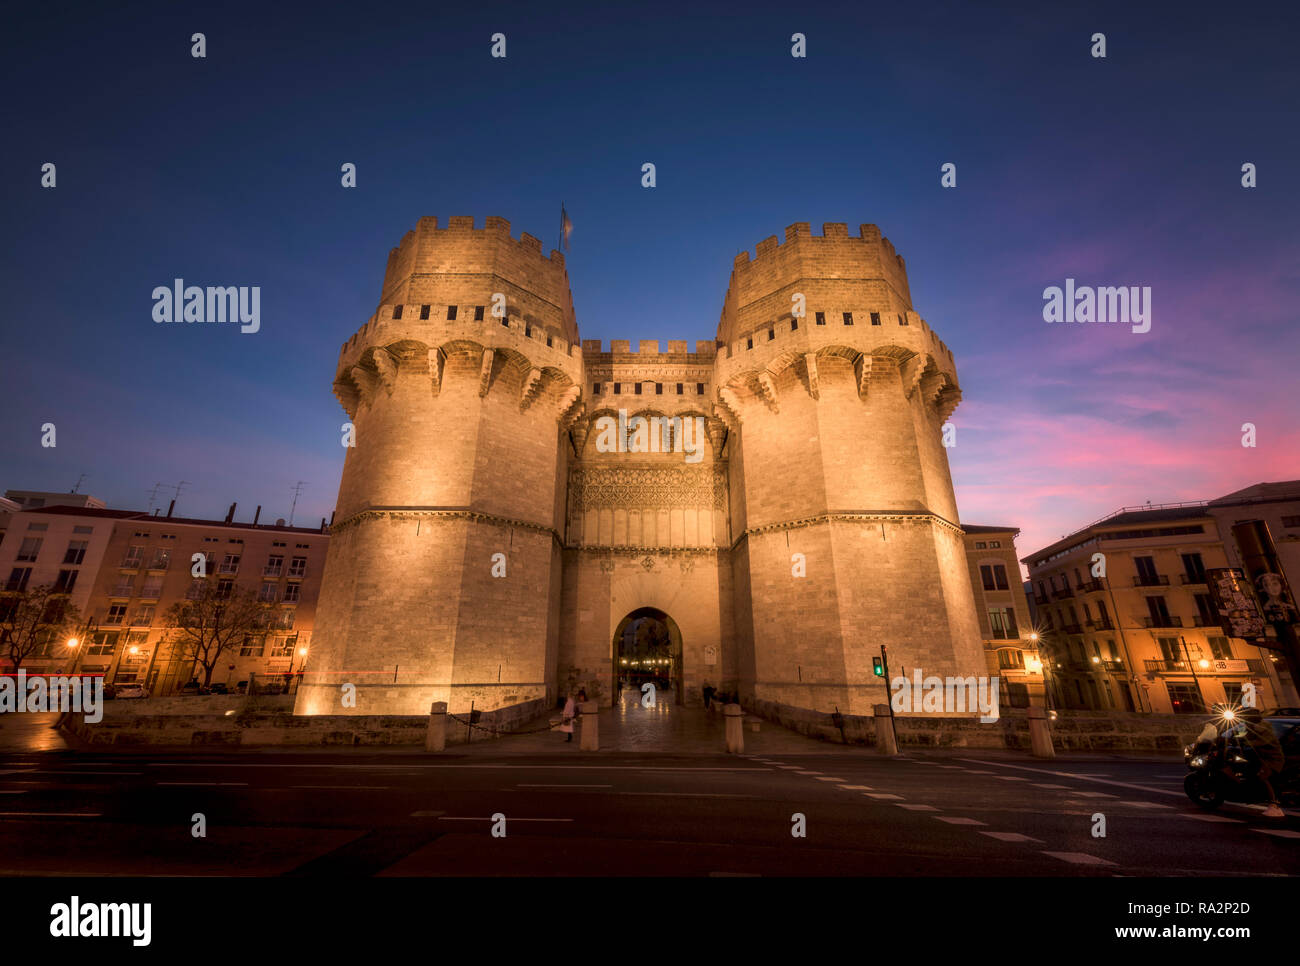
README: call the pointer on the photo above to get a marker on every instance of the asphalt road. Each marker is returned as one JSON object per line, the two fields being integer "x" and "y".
{"x": 405, "y": 813}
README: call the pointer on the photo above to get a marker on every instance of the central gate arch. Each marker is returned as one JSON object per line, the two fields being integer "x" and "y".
{"x": 647, "y": 646}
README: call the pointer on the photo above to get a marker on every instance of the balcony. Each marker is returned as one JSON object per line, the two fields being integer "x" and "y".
{"x": 1164, "y": 621}
{"x": 229, "y": 569}
{"x": 1092, "y": 586}
{"x": 1101, "y": 624}
{"x": 1253, "y": 666}
{"x": 1062, "y": 594}
{"x": 1071, "y": 629}
{"x": 1193, "y": 579}
{"x": 1151, "y": 580}
{"x": 270, "y": 571}
{"x": 123, "y": 590}
{"x": 298, "y": 572}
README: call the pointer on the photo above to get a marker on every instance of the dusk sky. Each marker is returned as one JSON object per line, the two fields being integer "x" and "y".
{"x": 225, "y": 171}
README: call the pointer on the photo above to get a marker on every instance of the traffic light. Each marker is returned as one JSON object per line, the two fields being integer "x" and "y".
{"x": 878, "y": 666}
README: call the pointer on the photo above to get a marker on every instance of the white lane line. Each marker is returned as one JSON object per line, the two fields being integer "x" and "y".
{"x": 915, "y": 808}
{"x": 557, "y": 785}
{"x": 369, "y": 788}
{"x": 18, "y": 771}
{"x": 975, "y": 772}
{"x": 51, "y": 814}
{"x": 882, "y": 795}
{"x": 1282, "y": 833}
{"x": 1146, "y": 804}
{"x": 824, "y": 778}
{"x": 1201, "y": 817}
{"x": 858, "y": 788}
{"x": 471, "y": 818}
{"x": 1010, "y": 778}
{"x": 1078, "y": 858}
{"x": 1094, "y": 795}
{"x": 958, "y": 820}
{"x": 1057, "y": 787}
{"x": 807, "y": 773}
{"x": 1068, "y": 774}
{"x": 1011, "y": 837}
{"x": 206, "y": 784}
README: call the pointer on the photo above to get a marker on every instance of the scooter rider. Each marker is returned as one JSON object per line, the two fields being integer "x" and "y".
{"x": 1259, "y": 736}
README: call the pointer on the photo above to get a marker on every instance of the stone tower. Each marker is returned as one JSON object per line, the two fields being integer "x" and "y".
{"x": 836, "y": 455}
{"x": 501, "y": 521}
{"x": 444, "y": 569}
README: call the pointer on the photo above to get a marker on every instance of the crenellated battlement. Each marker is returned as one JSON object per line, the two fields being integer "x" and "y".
{"x": 430, "y": 261}
{"x": 705, "y": 349}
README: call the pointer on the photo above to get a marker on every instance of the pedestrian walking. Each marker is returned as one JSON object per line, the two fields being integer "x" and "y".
{"x": 566, "y": 723}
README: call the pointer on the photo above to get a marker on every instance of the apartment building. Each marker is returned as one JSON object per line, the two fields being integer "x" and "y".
{"x": 1142, "y": 634}
{"x": 1011, "y": 650}
{"x": 131, "y": 568}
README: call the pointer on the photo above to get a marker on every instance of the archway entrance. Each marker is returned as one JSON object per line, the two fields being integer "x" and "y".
{"x": 647, "y": 648}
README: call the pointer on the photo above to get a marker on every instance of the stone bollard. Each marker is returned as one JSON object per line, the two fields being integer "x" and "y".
{"x": 588, "y": 726}
{"x": 1040, "y": 735}
{"x": 436, "y": 738}
{"x": 735, "y": 728}
{"x": 886, "y": 740}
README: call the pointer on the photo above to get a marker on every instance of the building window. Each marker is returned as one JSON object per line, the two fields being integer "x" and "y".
{"x": 282, "y": 647}
{"x": 161, "y": 557}
{"x": 699, "y": 389}
{"x": 1184, "y": 698}
{"x": 196, "y": 589}
{"x": 298, "y": 567}
{"x": 267, "y": 594}
{"x": 451, "y": 313}
{"x": 995, "y": 544}
{"x": 1011, "y": 658}
{"x": 225, "y": 588}
{"x": 424, "y": 312}
{"x": 638, "y": 389}
{"x": 116, "y": 614}
{"x": 875, "y": 318}
{"x": 1193, "y": 568}
{"x": 1220, "y": 648}
{"x": 749, "y": 342}
{"x": 478, "y": 313}
{"x": 152, "y": 588}
{"x": 794, "y": 325}
{"x": 1003, "y": 622}
{"x": 274, "y": 564}
{"x": 771, "y": 334}
{"x": 284, "y": 618}
{"x": 66, "y": 580}
{"x": 251, "y": 646}
{"x": 83, "y": 529}
{"x": 231, "y": 564}
{"x": 292, "y": 593}
{"x": 848, "y": 318}
{"x": 102, "y": 644}
{"x": 143, "y": 615}
{"x": 679, "y": 389}
{"x": 618, "y": 388}
{"x": 595, "y": 389}
{"x": 18, "y": 578}
{"x": 397, "y": 311}
{"x": 29, "y": 550}
{"x": 134, "y": 555}
{"x": 994, "y": 576}
{"x": 981, "y": 545}
{"x": 820, "y": 318}
{"x": 902, "y": 321}
{"x": 659, "y": 388}
{"x": 124, "y": 587}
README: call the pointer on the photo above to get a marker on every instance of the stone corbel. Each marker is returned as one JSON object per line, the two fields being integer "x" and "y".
{"x": 570, "y": 409}
{"x": 767, "y": 390}
{"x": 728, "y": 407}
{"x": 437, "y": 360}
{"x": 913, "y": 379}
{"x": 948, "y": 399}
{"x": 532, "y": 386}
{"x": 367, "y": 383}
{"x": 348, "y": 396}
{"x": 717, "y": 433}
{"x": 485, "y": 372}
{"x": 579, "y": 431}
{"x": 386, "y": 364}
{"x": 810, "y": 363}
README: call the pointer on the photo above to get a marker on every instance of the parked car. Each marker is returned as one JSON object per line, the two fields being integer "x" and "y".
{"x": 192, "y": 687}
{"x": 130, "y": 691}
{"x": 218, "y": 689}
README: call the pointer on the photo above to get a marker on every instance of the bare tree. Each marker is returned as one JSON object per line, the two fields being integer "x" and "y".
{"x": 213, "y": 620}
{"x": 30, "y": 619}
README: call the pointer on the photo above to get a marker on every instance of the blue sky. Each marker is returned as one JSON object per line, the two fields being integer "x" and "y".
{"x": 225, "y": 170}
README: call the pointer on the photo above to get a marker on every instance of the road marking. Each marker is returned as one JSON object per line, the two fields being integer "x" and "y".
{"x": 958, "y": 767}
{"x": 882, "y": 795}
{"x": 958, "y": 820}
{"x": 1010, "y": 778}
{"x": 1211, "y": 818}
{"x": 823, "y": 778}
{"x": 51, "y": 814}
{"x": 558, "y": 785}
{"x": 858, "y": 788}
{"x": 1284, "y": 833}
{"x": 974, "y": 772}
{"x": 1010, "y": 837}
{"x": 1146, "y": 804}
{"x": 807, "y": 773}
{"x": 1094, "y": 795}
{"x": 18, "y": 771}
{"x": 1035, "y": 785}
{"x": 1068, "y": 774}
{"x": 1078, "y": 858}
{"x": 915, "y": 808}
{"x": 471, "y": 818}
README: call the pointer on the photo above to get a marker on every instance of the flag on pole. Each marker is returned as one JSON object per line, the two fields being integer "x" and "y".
{"x": 566, "y": 228}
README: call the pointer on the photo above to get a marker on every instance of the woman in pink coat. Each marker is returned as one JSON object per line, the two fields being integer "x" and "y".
{"x": 570, "y": 711}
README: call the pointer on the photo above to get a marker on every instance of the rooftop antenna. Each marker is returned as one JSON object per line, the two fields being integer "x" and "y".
{"x": 153, "y": 495}
{"x": 79, "y": 479}
{"x": 180, "y": 486}
{"x": 297, "y": 490}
